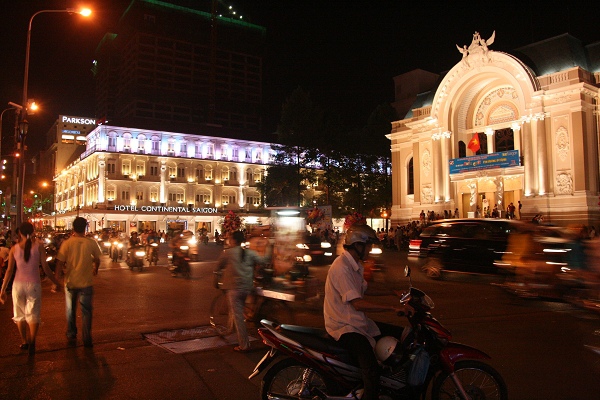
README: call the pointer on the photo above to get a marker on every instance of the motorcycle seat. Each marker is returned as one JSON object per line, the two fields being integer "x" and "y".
{"x": 317, "y": 339}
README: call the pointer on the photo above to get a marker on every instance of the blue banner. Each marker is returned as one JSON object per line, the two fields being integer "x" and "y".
{"x": 503, "y": 159}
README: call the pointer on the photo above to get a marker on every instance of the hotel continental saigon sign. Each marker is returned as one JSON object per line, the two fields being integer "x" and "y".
{"x": 168, "y": 209}
{"x": 503, "y": 159}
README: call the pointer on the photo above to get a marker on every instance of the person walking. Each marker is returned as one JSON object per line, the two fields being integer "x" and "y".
{"x": 237, "y": 265}
{"x": 26, "y": 257}
{"x": 78, "y": 259}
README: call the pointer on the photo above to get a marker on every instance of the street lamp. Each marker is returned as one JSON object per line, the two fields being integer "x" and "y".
{"x": 20, "y": 128}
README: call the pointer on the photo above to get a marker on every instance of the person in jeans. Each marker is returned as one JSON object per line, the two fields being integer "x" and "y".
{"x": 78, "y": 259}
{"x": 237, "y": 265}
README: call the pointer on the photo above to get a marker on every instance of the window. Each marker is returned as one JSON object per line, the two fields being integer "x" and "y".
{"x": 228, "y": 199}
{"x": 127, "y": 142}
{"x": 125, "y": 194}
{"x": 482, "y": 144}
{"x": 112, "y": 142}
{"x": 253, "y": 199}
{"x": 180, "y": 171}
{"x": 110, "y": 194}
{"x": 172, "y": 171}
{"x": 202, "y": 198}
{"x": 155, "y": 145}
{"x": 198, "y": 149}
{"x": 462, "y": 149}
{"x": 210, "y": 150}
{"x": 208, "y": 173}
{"x": 176, "y": 196}
{"x": 257, "y": 175}
{"x": 248, "y": 155}
{"x": 183, "y": 148}
{"x": 234, "y": 153}
{"x": 504, "y": 139}
{"x": 126, "y": 168}
{"x": 154, "y": 194}
{"x": 139, "y": 195}
{"x": 139, "y": 169}
{"x": 111, "y": 166}
{"x": 249, "y": 175}
{"x": 200, "y": 173}
{"x": 171, "y": 148}
{"x": 154, "y": 169}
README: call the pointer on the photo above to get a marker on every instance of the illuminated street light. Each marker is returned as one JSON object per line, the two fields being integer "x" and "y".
{"x": 20, "y": 133}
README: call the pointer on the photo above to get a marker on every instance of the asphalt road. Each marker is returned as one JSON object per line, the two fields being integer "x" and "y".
{"x": 537, "y": 346}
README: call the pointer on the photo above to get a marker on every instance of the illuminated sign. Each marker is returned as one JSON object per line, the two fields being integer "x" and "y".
{"x": 503, "y": 159}
{"x": 78, "y": 120}
{"x": 167, "y": 209}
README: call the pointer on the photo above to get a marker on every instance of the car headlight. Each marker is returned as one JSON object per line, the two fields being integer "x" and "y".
{"x": 325, "y": 245}
{"x": 302, "y": 246}
{"x": 307, "y": 258}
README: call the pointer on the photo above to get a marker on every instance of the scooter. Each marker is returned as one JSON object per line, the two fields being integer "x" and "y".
{"x": 181, "y": 261}
{"x": 307, "y": 363}
{"x": 116, "y": 251}
{"x": 153, "y": 254}
{"x": 135, "y": 257}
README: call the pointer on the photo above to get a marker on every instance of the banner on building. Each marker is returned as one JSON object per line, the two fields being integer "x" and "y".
{"x": 503, "y": 159}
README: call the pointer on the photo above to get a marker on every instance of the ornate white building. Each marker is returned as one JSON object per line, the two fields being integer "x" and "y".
{"x": 537, "y": 119}
{"x": 133, "y": 179}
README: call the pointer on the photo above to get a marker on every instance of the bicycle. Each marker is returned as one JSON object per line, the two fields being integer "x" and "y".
{"x": 260, "y": 304}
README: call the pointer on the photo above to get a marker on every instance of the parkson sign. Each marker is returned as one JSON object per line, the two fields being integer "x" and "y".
{"x": 78, "y": 120}
{"x": 166, "y": 209}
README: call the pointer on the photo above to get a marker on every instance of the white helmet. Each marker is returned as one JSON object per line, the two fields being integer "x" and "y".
{"x": 360, "y": 233}
{"x": 385, "y": 347}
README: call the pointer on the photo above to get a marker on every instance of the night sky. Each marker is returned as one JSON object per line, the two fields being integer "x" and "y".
{"x": 344, "y": 53}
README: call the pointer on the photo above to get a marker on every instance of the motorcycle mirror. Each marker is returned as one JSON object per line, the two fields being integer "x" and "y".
{"x": 407, "y": 271}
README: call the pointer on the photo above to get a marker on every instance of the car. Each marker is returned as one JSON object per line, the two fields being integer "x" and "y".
{"x": 465, "y": 245}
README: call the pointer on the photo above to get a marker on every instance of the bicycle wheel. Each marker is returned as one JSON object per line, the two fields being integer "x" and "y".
{"x": 275, "y": 310}
{"x": 219, "y": 315}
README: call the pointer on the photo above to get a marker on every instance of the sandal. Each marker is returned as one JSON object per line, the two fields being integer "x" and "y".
{"x": 240, "y": 350}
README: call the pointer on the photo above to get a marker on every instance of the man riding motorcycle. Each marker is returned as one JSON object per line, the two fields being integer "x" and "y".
{"x": 344, "y": 306}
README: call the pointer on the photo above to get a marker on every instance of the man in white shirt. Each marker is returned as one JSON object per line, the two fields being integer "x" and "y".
{"x": 344, "y": 306}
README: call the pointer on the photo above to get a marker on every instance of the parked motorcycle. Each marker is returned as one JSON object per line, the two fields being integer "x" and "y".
{"x": 311, "y": 365}
{"x": 135, "y": 257}
{"x": 181, "y": 261}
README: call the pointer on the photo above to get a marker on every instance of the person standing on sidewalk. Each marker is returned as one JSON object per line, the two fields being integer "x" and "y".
{"x": 26, "y": 256}
{"x": 237, "y": 265}
{"x": 78, "y": 259}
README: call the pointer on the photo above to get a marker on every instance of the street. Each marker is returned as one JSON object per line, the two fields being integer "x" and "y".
{"x": 538, "y": 347}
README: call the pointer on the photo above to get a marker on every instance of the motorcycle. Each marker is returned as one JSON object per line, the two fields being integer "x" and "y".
{"x": 181, "y": 261}
{"x": 153, "y": 254}
{"x": 135, "y": 257}
{"x": 311, "y": 365}
{"x": 116, "y": 251}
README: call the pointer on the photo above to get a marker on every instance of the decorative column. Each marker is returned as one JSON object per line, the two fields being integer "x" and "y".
{"x": 539, "y": 130}
{"x": 489, "y": 133}
{"x": 162, "y": 195}
{"x": 438, "y": 177}
{"x": 446, "y": 155}
{"x": 101, "y": 179}
{"x": 528, "y": 159}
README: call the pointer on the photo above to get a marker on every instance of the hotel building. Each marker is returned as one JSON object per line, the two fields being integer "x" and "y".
{"x": 134, "y": 179}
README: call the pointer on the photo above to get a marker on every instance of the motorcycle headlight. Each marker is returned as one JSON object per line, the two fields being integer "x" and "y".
{"x": 302, "y": 246}
{"x": 184, "y": 247}
{"x": 325, "y": 245}
{"x": 193, "y": 240}
{"x": 120, "y": 245}
{"x": 307, "y": 258}
{"x": 49, "y": 258}
{"x": 154, "y": 244}
{"x": 106, "y": 244}
{"x": 140, "y": 253}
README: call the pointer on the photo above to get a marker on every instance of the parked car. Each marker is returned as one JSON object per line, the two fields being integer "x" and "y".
{"x": 466, "y": 245}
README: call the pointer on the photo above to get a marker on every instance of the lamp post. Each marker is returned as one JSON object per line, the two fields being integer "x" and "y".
{"x": 21, "y": 126}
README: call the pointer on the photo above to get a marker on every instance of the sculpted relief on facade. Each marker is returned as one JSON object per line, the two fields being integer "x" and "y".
{"x": 564, "y": 183}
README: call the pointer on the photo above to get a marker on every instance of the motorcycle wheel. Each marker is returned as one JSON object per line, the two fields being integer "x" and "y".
{"x": 284, "y": 380}
{"x": 185, "y": 270}
{"x": 479, "y": 380}
{"x": 219, "y": 315}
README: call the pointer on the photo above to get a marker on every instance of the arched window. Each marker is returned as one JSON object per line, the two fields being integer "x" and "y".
{"x": 483, "y": 147}
{"x": 462, "y": 149}
{"x": 504, "y": 139}
{"x": 411, "y": 177}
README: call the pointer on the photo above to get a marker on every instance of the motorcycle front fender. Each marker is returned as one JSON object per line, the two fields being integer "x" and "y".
{"x": 454, "y": 352}
{"x": 264, "y": 363}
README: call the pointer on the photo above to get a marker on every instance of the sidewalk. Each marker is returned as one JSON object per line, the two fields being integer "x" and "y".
{"x": 122, "y": 364}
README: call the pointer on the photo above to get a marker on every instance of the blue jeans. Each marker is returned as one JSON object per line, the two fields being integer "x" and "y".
{"x": 84, "y": 296}
{"x": 237, "y": 300}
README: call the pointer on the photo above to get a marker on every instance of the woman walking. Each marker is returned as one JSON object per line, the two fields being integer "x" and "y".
{"x": 26, "y": 256}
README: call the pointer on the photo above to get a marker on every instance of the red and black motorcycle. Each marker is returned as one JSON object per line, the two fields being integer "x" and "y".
{"x": 311, "y": 365}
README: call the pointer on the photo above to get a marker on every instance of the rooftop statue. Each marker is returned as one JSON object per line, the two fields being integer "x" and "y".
{"x": 478, "y": 46}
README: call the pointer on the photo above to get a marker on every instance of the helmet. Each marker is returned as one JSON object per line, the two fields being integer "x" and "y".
{"x": 360, "y": 234}
{"x": 385, "y": 347}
